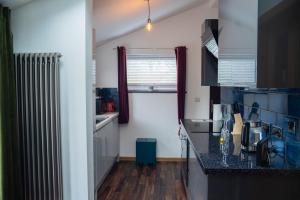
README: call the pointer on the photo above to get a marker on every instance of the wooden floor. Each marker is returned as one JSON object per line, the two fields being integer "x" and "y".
{"x": 129, "y": 182}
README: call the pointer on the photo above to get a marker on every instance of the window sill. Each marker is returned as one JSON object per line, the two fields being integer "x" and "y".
{"x": 153, "y": 91}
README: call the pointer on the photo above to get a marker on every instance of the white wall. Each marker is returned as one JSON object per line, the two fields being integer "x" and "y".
{"x": 89, "y": 97}
{"x": 62, "y": 26}
{"x": 155, "y": 115}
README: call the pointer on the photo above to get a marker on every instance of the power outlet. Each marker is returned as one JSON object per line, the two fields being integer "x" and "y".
{"x": 292, "y": 126}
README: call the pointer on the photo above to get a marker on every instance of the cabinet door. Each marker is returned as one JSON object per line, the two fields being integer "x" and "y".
{"x": 98, "y": 157}
{"x": 108, "y": 146}
{"x": 95, "y": 150}
{"x": 116, "y": 137}
{"x": 113, "y": 141}
{"x": 106, "y": 160}
{"x": 237, "y": 43}
{"x": 197, "y": 181}
{"x": 279, "y": 44}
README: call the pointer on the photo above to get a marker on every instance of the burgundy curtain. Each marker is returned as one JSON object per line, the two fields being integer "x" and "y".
{"x": 122, "y": 86}
{"x": 181, "y": 80}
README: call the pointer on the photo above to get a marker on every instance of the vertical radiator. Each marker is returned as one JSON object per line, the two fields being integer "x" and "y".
{"x": 37, "y": 80}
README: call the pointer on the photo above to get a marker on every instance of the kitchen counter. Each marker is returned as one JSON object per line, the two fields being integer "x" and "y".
{"x": 204, "y": 139}
{"x": 105, "y": 119}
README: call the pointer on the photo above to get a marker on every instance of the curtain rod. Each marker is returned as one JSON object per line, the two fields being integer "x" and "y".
{"x": 148, "y": 48}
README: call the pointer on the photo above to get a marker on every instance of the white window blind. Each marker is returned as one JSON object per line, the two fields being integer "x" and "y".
{"x": 237, "y": 72}
{"x": 151, "y": 73}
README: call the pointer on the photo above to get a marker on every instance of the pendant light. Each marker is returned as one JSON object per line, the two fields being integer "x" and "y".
{"x": 149, "y": 23}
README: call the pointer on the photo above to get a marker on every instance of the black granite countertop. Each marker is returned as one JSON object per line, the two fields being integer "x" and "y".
{"x": 204, "y": 138}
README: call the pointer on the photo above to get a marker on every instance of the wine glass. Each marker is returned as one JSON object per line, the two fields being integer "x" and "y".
{"x": 225, "y": 135}
{"x": 226, "y": 113}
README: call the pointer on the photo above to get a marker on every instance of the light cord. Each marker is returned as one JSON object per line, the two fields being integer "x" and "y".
{"x": 149, "y": 11}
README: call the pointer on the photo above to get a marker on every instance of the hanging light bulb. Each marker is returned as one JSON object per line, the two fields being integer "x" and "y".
{"x": 149, "y": 23}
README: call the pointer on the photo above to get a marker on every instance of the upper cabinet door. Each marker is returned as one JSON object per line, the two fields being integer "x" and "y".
{"x": 279, "y": 44}
{"x": 209, "y": 53}
{"x": 237, "y": 43}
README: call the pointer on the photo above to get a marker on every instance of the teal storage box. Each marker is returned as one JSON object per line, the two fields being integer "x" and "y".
{"x": 146, "y": 151}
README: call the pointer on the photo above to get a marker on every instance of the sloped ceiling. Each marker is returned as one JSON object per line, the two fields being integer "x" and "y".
{"x": 14, "y": 3}
{"x": 114, "y": 18}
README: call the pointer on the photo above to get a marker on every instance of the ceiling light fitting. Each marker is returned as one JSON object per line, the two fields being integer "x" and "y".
{"x": 149, "y": 22}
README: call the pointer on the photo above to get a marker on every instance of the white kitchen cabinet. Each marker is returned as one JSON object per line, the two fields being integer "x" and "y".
{"x": 115, "y": 138}
{"x": 106, "y": 150}
{"x": 99, "y": 156}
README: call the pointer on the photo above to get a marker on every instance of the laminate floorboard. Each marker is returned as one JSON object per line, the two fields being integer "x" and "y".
{"x": 127, "y": 181}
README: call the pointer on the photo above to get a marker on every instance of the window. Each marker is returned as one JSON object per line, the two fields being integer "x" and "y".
{"x": 233, "y": 71}
{"x": 151, "y": 73}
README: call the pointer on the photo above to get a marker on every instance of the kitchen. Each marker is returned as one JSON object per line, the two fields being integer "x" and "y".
{"x": 150, "y": 99}
{"x": 241, "y": 67}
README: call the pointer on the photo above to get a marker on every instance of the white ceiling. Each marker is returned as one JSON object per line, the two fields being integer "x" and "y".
{"x": 14, "y": 3}
{"x": 114, "y": 18}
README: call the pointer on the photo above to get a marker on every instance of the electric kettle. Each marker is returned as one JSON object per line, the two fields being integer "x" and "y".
{"x": 251, "y": 135}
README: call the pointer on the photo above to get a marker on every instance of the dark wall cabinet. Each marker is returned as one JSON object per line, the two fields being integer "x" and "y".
{"x": 279, "y": 44}
{"x": 209, "y": 51}
{"x": 209, "y": 75}
{"x": 259, "y": 43}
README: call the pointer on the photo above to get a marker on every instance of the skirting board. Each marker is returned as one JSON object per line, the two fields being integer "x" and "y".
{"x": 158, "y": 159}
